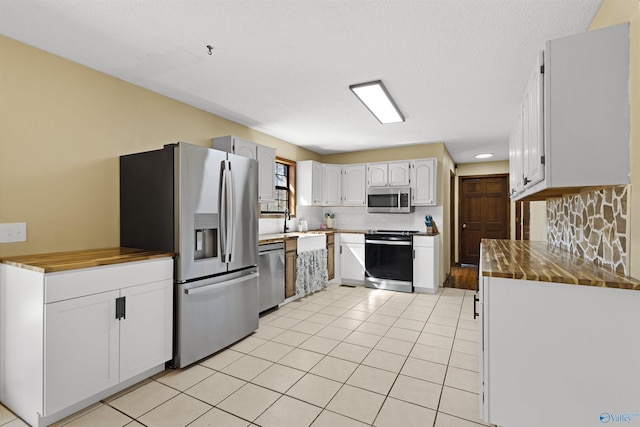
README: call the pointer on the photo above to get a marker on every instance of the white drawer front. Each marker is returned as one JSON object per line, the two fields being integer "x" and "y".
{"x": 72, "y": 284}
{"x": 352, "y": 238}
{"x": 424, "y": 241}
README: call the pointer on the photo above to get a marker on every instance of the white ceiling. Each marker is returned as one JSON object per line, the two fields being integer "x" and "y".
{"x": 456, "y": 68}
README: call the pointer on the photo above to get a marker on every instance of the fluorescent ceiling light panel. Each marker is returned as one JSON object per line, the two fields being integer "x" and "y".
{"x": 376, "y": 98}
{"x": 484, "y": 156}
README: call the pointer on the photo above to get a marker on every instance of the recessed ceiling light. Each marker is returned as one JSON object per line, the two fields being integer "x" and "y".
{"x": 376, "y": 98}
{"x": 484, "y": 155}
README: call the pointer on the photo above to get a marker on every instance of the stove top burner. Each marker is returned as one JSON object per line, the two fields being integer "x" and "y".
{"x": 393, "y": 232}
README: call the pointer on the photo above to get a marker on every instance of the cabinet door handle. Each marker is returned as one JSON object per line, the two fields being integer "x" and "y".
{"x": 526, "y": 180}
{"x": 475, "y": 308}
{"x": 121, "y": 308}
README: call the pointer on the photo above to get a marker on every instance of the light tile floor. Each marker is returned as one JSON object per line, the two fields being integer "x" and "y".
{"x": 344, "y": 356}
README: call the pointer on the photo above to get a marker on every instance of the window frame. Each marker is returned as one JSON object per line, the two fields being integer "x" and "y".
{"x": 292, "y": 190}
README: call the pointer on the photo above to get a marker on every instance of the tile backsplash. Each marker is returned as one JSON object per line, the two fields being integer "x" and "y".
{"x": 356, "y": 218}
{"x": 592, "y": 225}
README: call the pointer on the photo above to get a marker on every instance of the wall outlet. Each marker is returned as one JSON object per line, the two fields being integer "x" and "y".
{"x": 13, "y": 232}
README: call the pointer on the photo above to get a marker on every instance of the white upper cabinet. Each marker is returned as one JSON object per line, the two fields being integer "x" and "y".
{"x": 575, "y": 116}
{"x": 516, "y": 182}
{"x": 310, "y": 183}
{"x": 424, "y": 182}
{"x": 354, "y": 178}
{"x": 388, "y": 174}
{"x": 244, "y": 148}
{"x": 532, "y": 127}
{"x": 266, "y": 157}
{"x": 377, "y": 174}
{"x": 398, "y": 173}
{"x": 266, "y": 172}
{"x": 332, "y": 185}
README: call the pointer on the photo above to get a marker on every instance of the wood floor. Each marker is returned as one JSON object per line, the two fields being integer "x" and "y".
{"x": 463, "y": 277}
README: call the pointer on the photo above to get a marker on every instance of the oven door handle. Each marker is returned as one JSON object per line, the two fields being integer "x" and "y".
{"x": 389, "y": 242}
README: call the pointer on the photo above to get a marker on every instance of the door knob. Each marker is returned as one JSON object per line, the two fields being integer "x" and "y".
{"x": 464, "y": 225}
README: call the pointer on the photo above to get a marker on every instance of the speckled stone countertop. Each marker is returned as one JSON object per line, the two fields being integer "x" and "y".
{"x": 74, "y": 260}
{"x": 526, "y": 260}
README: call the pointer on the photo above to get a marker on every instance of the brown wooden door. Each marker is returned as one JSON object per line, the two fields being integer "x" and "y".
{"x": 484, "y": 213}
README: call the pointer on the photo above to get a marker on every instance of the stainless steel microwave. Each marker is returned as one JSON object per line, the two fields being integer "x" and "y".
{"x": 389, "y": 200}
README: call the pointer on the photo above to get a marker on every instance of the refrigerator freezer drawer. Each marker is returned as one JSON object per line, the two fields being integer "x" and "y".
{"x": 212, "y": 315}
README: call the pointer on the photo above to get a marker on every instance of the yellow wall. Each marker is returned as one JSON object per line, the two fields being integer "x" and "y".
{"x": 448, "y": 166}
{"x": 63, "y": 127}
{"x": 614, "y": 12}
{"x": 418, "y": 151}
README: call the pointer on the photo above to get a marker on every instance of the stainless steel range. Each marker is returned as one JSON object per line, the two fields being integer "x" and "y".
{"x": 388, "y": 259}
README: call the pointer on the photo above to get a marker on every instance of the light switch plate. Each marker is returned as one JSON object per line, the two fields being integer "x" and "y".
{"x": 13, "y": 232}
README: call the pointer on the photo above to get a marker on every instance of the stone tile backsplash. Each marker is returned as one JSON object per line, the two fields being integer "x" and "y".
{"x": 592, "y": 225}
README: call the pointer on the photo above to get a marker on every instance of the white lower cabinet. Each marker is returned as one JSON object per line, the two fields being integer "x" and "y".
{"x": 556, "y": 354}
{"x": 426, "y": 271}
{"x": 81, "y": 349}
{"x": 90, "y": 344}
{"x": 352, "y": 258}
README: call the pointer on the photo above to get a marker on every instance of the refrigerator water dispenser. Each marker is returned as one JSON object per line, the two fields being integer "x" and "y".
{"x": 206, "y": 235}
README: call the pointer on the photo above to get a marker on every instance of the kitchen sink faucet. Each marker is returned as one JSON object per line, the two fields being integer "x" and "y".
{"x": 286, "y": 216}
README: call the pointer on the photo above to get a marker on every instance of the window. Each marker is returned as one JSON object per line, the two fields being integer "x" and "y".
{"x": 285, "y": 190}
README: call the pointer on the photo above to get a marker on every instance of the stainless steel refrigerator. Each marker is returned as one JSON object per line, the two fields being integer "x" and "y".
{"x": 201, "y": 204}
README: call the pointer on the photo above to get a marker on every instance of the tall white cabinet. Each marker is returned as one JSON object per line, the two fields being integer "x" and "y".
{"x": 266, "y": 157}
{"x": 426, "y": 264}
{"x": 74, "y": 337}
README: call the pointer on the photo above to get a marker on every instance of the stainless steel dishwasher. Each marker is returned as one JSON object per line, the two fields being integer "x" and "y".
{"x": 271, "y": 279}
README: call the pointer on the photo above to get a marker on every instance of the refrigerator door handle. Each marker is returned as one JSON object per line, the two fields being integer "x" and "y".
{"x": 231, "y": 232}
{"x": 223, "y": 212}
{"x": 218, "y": 286}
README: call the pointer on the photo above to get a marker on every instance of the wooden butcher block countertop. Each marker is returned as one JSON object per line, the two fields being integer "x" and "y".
{"x": 526, "y": 260}
{"x": 279, "y": 237}
{"x": 64, "y": 261}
